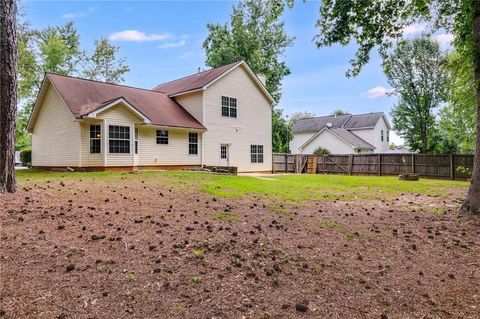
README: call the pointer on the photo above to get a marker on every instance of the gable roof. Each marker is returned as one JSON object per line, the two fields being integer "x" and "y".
{"x": 194, "y": 81}
{"x": 84, "y": 96}
{"x": 349, "y": 121}
{"x": 352, "y": 139}
{"x": 315, "y": 124}
{"x": 363, "y": 120}
{"x": 201, "y": 80}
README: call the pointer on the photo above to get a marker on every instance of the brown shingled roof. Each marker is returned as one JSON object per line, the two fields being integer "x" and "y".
{"x": 195, "y": 81}
{"x": 84, "y": 96}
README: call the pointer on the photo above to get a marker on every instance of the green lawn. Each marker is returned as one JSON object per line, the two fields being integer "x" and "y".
{"x": 292, "y": 188}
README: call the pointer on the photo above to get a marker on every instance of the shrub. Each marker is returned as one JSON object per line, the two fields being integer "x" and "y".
{"x": 26, "y": 156}
{"x": 321, "y": 151}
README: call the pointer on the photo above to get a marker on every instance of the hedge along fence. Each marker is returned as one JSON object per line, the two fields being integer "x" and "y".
{"x": 456, "y": 166}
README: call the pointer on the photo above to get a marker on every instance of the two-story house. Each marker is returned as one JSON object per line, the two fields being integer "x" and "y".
{"x": 342, "y": 134}
{"x": 218, "y": 117}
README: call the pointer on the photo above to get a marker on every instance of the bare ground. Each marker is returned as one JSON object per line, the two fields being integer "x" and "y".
{"x": 81, "y": 249}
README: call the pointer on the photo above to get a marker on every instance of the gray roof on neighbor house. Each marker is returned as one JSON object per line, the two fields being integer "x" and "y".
{"x": 351, "y": 138}
{"x": 315, "y": 124}
{"x": 363, "y": 120}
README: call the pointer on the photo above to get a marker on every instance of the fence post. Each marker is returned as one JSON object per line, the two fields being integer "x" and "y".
{"x": 273, "y": 163}
{"x": 452, "y": 171}
{"x": 286, "y": 163}
{"x": 350, "y": 164}
{"x": 324, "y": 165}
{"x": 379, "y": 164}
{"x": 413, "y": 163}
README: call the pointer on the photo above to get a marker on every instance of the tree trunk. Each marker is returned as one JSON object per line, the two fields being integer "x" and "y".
{"x": 472, "y": 202}
{"x": 8, "y": 94}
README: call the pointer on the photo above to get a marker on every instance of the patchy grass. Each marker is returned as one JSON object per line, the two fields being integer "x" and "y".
{"x": 226, "y": 216}
{"x": 280, "y": 210}
{"x": 340, "y": 228}
{"x": 292, "y": 188}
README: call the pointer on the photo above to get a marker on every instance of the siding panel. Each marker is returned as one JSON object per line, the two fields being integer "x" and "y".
{"x": 56, "y": 134}
{"x": 253, "y": 124}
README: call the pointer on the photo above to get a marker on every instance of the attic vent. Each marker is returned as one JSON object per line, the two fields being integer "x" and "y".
{"x": 329, "y": 124}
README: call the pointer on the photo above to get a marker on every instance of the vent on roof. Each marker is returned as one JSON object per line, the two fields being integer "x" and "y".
{"x": 329, "y": 124}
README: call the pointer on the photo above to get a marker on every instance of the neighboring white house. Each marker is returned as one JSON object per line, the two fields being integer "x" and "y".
{"x": 218, "y": 117}
{"x": 342, "y": 134}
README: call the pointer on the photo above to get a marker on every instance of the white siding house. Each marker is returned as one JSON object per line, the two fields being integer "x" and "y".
{"x": 342, "y": 134}
{"x": 219, "y": 117}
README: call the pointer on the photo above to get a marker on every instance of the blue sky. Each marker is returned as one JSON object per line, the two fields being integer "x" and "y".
{"x": 162, "y": 40}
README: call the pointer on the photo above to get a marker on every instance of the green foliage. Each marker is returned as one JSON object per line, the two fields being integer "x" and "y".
{"x": 57, "y": 49}
{"x": 296, "y": 116}
{"x": 458, "y": 118}
{"x": 378, "y": 24}
{"x": 340, "y": 112}
{"x": 321, "y": 151}
{"x": 103, "y": 64}
{"x": 26, "y": 156}
{"x": 416, "y": 70}
{"x": 281, "y": 132}
{"x": 254, "y": 34}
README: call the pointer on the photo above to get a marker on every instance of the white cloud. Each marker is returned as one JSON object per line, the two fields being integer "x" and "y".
{"x": 138, "y": 36}
{"x": 444, "y": 39}
{"x": 376, "y": 92}
{"x": 74, "y": 15}
{"x": 171, "y": 45}
{"x": 414, "y": 28}
{"x": 186, "y": 55}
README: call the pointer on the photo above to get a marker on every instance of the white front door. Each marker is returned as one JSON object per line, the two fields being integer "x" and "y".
{"x": 224, "y": 155}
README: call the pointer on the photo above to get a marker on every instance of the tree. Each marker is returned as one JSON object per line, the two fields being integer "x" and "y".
{"x": 296, "y": 116}
{"x": 8, "y": 94}
{"x": 255, "y": 34}
{"x": 103, "y": 64}
{"x": 416, "y": 70}
{"x": 457, "y": 119}
{"x": 372, "y": 23}
{"x": 281, "y": 132}
{"x": 340, "y": 112}
{"x": 54, "y": 49}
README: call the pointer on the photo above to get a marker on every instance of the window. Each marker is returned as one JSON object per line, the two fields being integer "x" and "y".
{"x": 136, "y": 140}
{"x": 223, "y": 151}
{"x": 229, "y": 106}
{"x": 381, "y": 135}
{"x": 162, "y": 137}
{"x": 193, "y": 143}
{"x": 256, "y": 153}
{"x": 119, "y": 139}
{"x": 95, "y": 139}
{"x": 388, "y": 136}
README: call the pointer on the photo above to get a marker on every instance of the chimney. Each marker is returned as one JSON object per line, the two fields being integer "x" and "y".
{"x": 262, "y": 79}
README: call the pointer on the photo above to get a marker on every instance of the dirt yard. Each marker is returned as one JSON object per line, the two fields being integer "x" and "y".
{"x": 192, "y": 245}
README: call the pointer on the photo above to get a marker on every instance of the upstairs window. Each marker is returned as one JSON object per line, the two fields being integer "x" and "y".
{"x": 256, "y": 153}
{"x": 162, "y": 137}
{"x": 229, "y": 106}
{"x": 388, "y": 136}
{"x": 119, "y": 139}
{"x": 193, "y": 143}
{"x": 381, "y": 135}
{"x": 95, "y": 139}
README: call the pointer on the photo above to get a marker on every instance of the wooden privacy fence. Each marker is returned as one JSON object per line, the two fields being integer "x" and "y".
{"x": 457, "y": 166}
